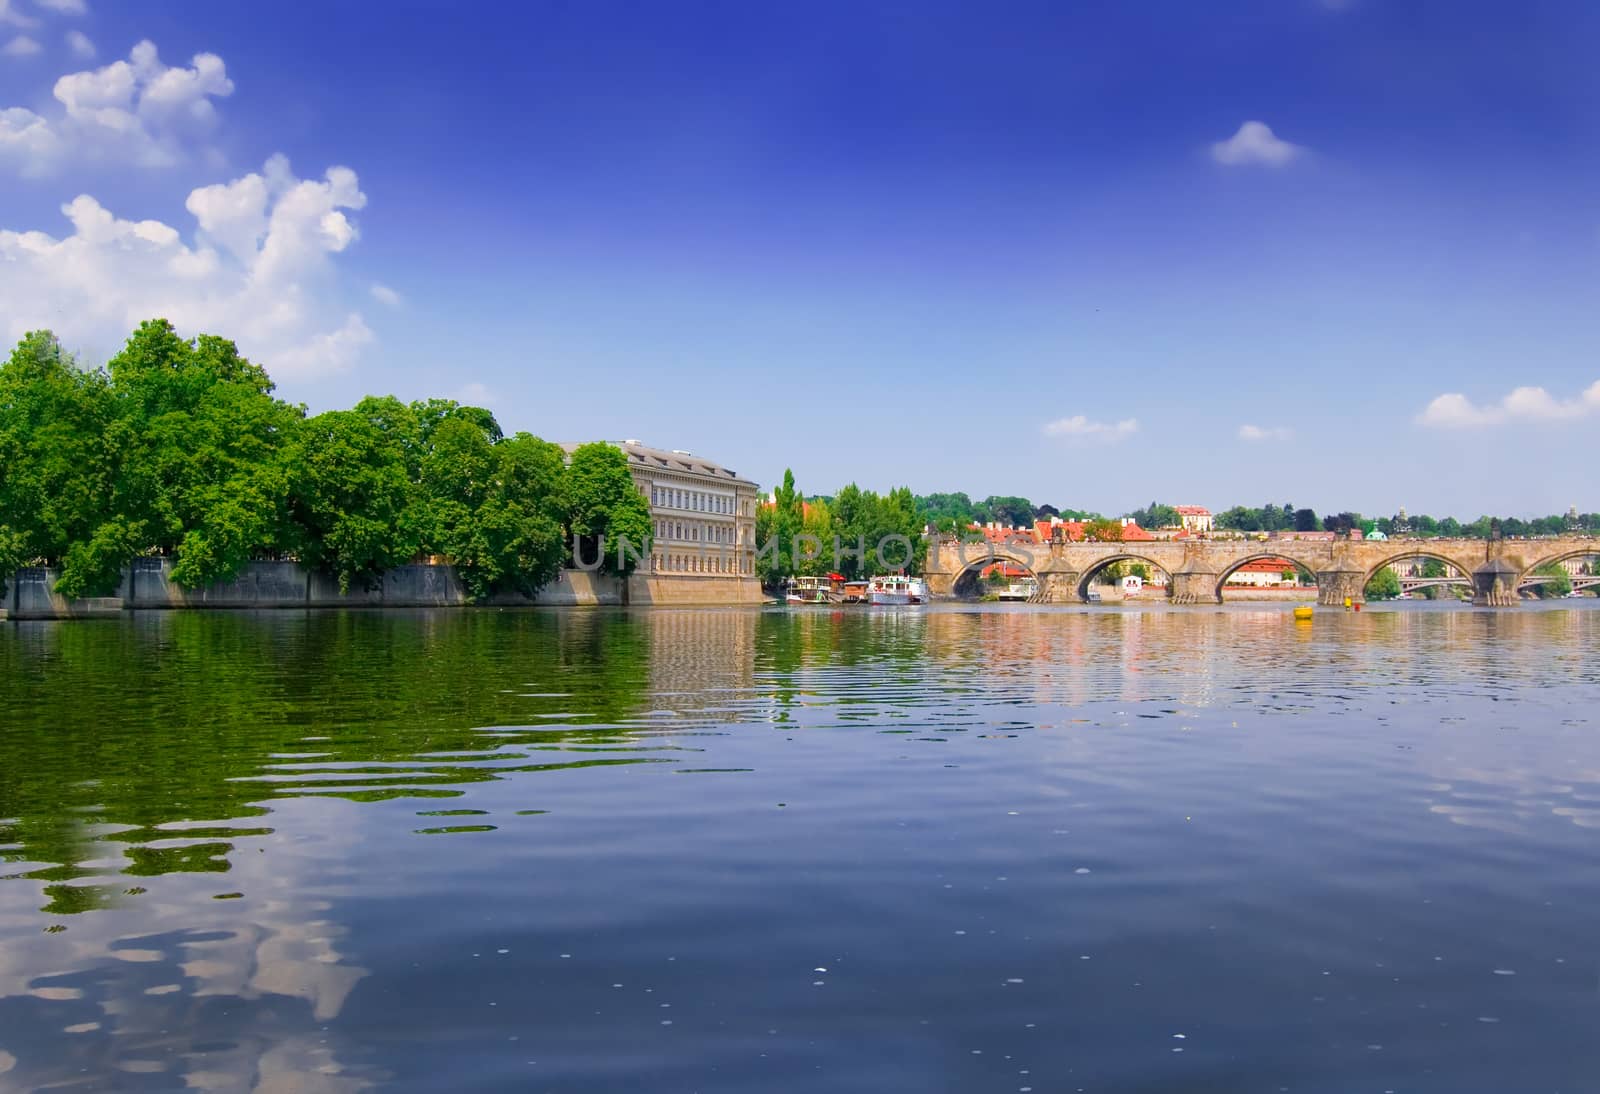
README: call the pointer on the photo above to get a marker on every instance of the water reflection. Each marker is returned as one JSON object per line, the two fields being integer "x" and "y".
{"x": 230, "y": 843}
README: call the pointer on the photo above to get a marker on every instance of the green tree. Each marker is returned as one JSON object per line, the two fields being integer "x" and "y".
{"x": 1384, "y": 585}
{"x": 605, "y": 510}
{"x": 1104, "y": 531}
{"x": 499, "y": 506}
{"x": 57, "y": 466}
{"x": 200, "y": 438}
{"x": 1305, "y": 520}
{"x": 776, "y": 527}
{"x": 354, "y": 508}
{"x": 817, "y": 527}
{"x": 1010, "y": 511}
{"x": 1559, "y": 582}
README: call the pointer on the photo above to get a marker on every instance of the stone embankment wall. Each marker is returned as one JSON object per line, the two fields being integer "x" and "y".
{"x": 147, "y": 585}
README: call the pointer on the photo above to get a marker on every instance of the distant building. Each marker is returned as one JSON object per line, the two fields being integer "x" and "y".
{"x": 1195, "y": 519}
{"x": 1263, "y": 573}
{"x": 703, "y": 517}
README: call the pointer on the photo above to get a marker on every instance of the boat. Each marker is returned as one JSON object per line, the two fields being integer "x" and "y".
{"x": 897, "y": 589}
{"x": 813, "y": 590}
{"x": 1019, "y": 590}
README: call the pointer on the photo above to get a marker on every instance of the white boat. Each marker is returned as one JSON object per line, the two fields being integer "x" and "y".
{"x": 1019, "y": 590}
{"x": 897, "y": 589}
{"x": 812, "y": 590}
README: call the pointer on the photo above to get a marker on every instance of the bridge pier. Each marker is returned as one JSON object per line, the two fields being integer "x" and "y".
{"x": 1058, "y": 587}
{"x": 1334, "y": 586}
{"x": 1494, "y": 585}
{"x": 1191, "y": 587}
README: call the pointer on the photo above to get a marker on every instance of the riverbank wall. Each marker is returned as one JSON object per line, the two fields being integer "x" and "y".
{"x": 147, "y": 586}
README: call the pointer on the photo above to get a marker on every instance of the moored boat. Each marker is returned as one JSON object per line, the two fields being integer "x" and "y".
{"x": 1019, "y": 590}
{"x": 813, "y": 590}
{"x": 897, "y": 589}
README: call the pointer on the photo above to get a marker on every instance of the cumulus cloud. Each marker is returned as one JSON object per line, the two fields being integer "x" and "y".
{"x": 79, "y": 43}
{"x": 1255, "y": 144}
{"x": 383, "y": 294}
{"x": 1084, "y": 428}
{"x": 1525, "y": 404}
{"x": 138, "y": 111}
{"x": 258, "y": 268}
{"x": 65, "y": 7}
{"x": 10, "y": 16}
{"x": 20, "y": 46}
{"x": 1265, "y": 433}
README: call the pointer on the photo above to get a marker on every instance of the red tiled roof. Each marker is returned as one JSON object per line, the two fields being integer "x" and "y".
{"x": 1266, "y": 566}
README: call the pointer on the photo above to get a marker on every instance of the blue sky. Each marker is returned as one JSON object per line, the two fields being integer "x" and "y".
{"x": 1096, "y": 254}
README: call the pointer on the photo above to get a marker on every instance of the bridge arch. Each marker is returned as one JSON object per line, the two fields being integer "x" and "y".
{"x": 1086, "y": 579}
{"x": 1419, "y": 552}
{"x": 1556, "y": 559}
{"x": 979, "y": 557}
{"x": 1260, "y": 556}
{"x": 1590, "y": 552}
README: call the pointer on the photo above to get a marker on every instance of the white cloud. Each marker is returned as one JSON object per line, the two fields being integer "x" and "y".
{"x": 1255, "y": 144}
{"x": 1525, "y": 404}
{"x": 137, "y": 111}
{"x": 79, "y": 43}
{"x": 474, "y": 394}
{"x": 20, "y": 46}
{"x": 65, "y": 7}
{"x": 258, "y": 270}
{"x": 1265, "y": 433}
{"x": 1082, "y": 427}
{"x": 383, "y": 294}
{"x": 10, "y": 16}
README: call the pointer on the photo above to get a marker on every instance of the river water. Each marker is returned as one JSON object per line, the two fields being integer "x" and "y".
{"x": 953, "y": 849}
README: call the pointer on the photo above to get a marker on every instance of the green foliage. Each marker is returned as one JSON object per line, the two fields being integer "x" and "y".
{"x": 1268, "y": 518}
{"x": 874, "y": 533}
{"x": 954, "y": 513}
{"x": 1156, "y": 515}
{"x": 179, "y": 448}
{"x": 200, "y": 441}
{"x": 776, "y": 527}
{"x": 351, "y": 500}
{"x": 58, "y": 459}
{"x": 1104, "y": 531}
{"x": 1559, "y": 583}
{"x": 1383, "y": 585}
{"x": 1009, "y": 511}
{"x": 605, "y": 510}
{"x": 498, "y": 506}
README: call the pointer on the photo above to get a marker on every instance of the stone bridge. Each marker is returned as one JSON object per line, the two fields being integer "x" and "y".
{"x": 1198, "y": 568}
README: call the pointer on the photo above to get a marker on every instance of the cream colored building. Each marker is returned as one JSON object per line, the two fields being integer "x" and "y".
{"x": 703, "y": 522}
{"x": 1196, "y": 519}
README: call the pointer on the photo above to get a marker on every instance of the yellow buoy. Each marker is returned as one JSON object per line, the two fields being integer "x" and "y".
{"x": 1303, "y": 612}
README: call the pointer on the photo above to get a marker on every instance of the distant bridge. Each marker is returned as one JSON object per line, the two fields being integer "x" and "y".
{"x": 1198, "y": 568}
{"x": 1416, "y": 584}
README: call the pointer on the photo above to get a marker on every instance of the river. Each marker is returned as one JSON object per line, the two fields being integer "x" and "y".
{"x": 997, "y": 848}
